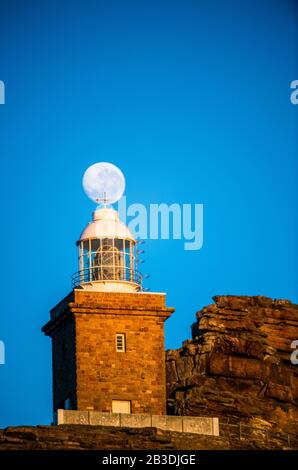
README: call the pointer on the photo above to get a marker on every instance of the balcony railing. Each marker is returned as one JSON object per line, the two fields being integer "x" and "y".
{"x": 106, "y": 273}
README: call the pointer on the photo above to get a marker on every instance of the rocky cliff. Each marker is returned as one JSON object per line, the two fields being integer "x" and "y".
{"x": 237, "y": 366}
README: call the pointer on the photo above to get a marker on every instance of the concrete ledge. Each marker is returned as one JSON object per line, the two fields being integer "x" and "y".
{"x": 188, "y": 424}
{"x": 135, "y": 420}
{"x": 168, "y": 423}
{"x": 104, "y": 419}
{"x": 200, "y": 426}
{"x": 72, "y": 417}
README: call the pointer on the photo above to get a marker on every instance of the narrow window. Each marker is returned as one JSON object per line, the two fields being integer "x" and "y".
{"x": 120, "y": 342}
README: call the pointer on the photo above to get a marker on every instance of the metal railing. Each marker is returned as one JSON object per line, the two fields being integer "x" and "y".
{"x": 106, "y": 273}
{"x": 266, "y": 436}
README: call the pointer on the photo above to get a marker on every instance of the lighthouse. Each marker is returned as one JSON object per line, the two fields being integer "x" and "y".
{"x": 108, "y": 333}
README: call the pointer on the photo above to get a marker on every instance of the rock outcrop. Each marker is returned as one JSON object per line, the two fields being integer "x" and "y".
{"x": 238, "y": 367}
{"x": 84, "y": 437}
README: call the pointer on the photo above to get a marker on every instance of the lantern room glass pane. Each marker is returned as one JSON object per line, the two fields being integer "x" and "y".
{"x": 106, "y": 243}
{"x": 84, "y": 260}
{"x": 119, "y": 244}
{"x": 95, "y": 245}
{"x": 107, "y": 259}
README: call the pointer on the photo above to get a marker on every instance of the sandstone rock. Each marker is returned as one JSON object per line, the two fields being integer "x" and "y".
{"x": 184, "y": 367}
{"x": 82, "y": 437}
{"x": 238, "y": 365}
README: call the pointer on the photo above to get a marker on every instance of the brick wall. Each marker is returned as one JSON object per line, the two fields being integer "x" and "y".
{"x": 104, "y": 374}
{"x": 64, "y": 363}
{"x": 86, "y": 367}
{"x": 119, "y": 299}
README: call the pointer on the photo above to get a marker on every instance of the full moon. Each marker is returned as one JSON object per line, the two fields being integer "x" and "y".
{"x": 104, "y": 183}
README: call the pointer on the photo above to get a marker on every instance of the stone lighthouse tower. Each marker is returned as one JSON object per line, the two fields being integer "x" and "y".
{"x": 107, "y": 333}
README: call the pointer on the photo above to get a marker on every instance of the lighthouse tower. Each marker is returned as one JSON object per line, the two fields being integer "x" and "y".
{"x": 107, "y": 333}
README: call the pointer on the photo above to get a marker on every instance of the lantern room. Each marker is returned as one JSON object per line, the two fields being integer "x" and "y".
{"x": 107, "y": 255}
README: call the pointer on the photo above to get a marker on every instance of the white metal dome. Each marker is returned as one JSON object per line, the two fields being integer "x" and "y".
{"x": 106, "y": 224}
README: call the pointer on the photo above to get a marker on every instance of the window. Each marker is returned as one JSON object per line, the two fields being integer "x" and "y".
{"x": 121, "y": 406}
{"x": 120, "y": 342}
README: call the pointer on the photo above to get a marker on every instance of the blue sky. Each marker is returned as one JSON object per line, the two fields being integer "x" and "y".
{"x": 191, "y": 99}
